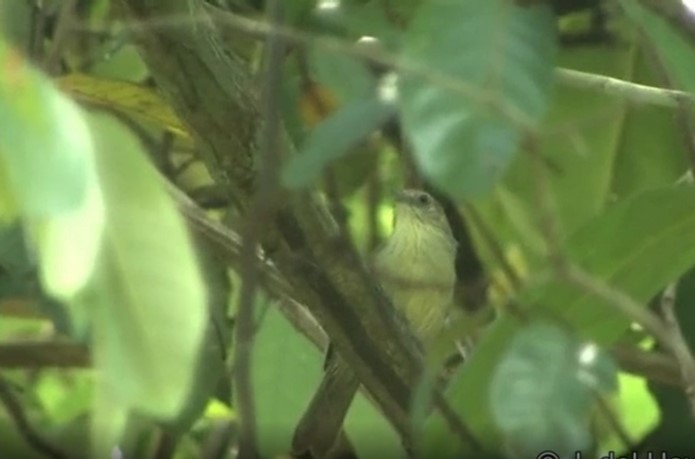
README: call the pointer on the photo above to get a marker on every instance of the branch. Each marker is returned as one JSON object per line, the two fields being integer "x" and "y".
{"x": 679, "y": 346}
{"x": 37, "y": 354}
{"x": 227, "y": 245}
{"x": 632, "y": 92}
{"x": 654, "y": 366}
{"x": 258, "y": 217}
{"x": 211, "y": 90}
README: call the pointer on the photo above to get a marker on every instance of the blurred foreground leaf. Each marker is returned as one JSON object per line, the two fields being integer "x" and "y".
{"x": 334, "y": 138}
{"x": 47, "y": 158}
{"x": 496, "y": 58}
{"x": 541, "y": 394}
{"x": 147, "y": 303}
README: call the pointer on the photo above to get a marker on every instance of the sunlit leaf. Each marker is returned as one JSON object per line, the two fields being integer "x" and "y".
{"x": 496, "y": 62}
{"x": 8, "y": 202}
{"x": 45, "y": 143}
{"x": 636, "y": 411}
{"x": 47, "y": 155}
{"x": 65, "y": 397}
{"x": 68, "y": 244}
{"x": 148, "y": 302}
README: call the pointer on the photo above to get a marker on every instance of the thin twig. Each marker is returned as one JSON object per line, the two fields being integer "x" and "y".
{"x": 26, "y": 430}
{"x": 227, "y": 244}
{"x": 372, "y": 201}
{"x": 259, "y": 213}
{"x": 217, "y": 443}
{"x": 680, "y": 349}
{"x": 631, "y": 309}
{"x": 652, "y": 365}
{"x": 262, "y": 29}
{"x": 66, "y": 17}
{"x": 37, "y": 354}
{"x": 37, "y": 28}
{"x": 631, "y": 92}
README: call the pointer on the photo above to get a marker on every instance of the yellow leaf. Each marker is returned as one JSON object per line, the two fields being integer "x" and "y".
{"x": 126, "y": 97}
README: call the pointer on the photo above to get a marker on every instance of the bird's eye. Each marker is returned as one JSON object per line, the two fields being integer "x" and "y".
{"x": 423, "y": 199}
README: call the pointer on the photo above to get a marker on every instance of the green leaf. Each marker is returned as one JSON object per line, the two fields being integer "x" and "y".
{"x": 343, "y": 75}
{"x": 47, "y": 155}
{"x": 109, "y": 419}
{"x": 281, "y": 354}
{"x": 334, "y": 138}
{"x": 678, "y": 56}
{"x": 212, "y": 360}
{"x": 16, "y": 23}
{"x": 538, "y": 397}
{"x": 500, "y": 56}
{"x": 620, "y": 247}
{"x": 581, "y": 136}
{"x": 45, "y": 144}
{"x": 652, "y": 151}
{"x": 148, "y": 301}
{"x": 68, "y": 244}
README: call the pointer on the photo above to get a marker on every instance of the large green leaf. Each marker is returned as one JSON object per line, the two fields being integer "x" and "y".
{"x": 677, "y": 54}
{"x": 147, "y": 304}
{"x": 281, "y": 354}
{"x": 621, "y": 247}
{"x": 45, "y": 143}
{"x": 500, "y": 55}
{"x": 541, "y": 392}
{"x": 47, "y": 157}
{"x": 653, "y": 150}
{"x": 580, "y": 139}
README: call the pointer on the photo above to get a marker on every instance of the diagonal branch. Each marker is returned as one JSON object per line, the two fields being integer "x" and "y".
{"x": 211, "y": 90}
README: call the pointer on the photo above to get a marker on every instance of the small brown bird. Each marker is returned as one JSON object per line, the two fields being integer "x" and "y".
{"x": 415, "y": 267}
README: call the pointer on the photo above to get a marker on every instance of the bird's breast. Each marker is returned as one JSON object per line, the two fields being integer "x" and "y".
{"x": 418, "y": 276}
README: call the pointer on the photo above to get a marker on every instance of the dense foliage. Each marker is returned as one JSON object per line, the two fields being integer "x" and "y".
{"x": 189, "y": 190}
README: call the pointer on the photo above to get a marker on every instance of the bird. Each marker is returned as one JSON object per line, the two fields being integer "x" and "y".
{"x": 415, "y": 268}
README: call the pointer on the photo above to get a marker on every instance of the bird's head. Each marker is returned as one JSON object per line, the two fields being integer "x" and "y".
{"x": 417, "y": 210}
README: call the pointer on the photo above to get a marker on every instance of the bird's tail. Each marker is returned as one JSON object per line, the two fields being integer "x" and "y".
{"x": 320, "y": 428}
